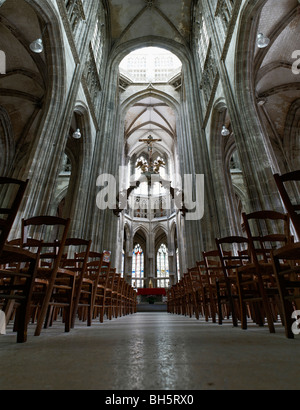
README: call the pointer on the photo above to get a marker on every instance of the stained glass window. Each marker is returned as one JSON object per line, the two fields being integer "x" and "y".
{"x": 150, "y": 64}
{"x": 137, "y": 277}
{"x": 162, "y": 267}
{"x": 177, "y": 263}
{"x": 123, "y": 263}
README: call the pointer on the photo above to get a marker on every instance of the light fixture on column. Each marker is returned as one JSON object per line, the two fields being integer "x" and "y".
{"x": 37, "y": 46}
{"x": 225, "y": 132}
{"x": 262, "y": 41}
{"x": 77, "y": 134}
{"x": 261, "y": 101}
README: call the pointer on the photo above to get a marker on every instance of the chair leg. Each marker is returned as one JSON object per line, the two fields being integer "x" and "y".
{"x": 267, "y": 309}
{"x": 43, "y": 311}
{"x": 21, "y": 324}
{"x": 243, "y": 307}
{"x": 286, "y": 305}
{"x": 219, "y": 304}
{"x": 25, "y": 308}
{"x": 68, "y": 314}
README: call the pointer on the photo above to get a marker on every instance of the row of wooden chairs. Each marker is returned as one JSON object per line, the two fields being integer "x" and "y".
{"x": 254, "y": 277}
{"x": 45, "y": 275}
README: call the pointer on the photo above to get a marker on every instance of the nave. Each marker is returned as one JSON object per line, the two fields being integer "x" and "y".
{"x": 151, "y": 351}
{"x": 72, "y": 114}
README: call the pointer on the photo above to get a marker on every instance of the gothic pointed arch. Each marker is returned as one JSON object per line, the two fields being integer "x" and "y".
{"x": 265, "y": 87}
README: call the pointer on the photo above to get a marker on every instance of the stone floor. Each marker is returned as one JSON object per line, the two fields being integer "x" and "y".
{"x": 151, "y": 351}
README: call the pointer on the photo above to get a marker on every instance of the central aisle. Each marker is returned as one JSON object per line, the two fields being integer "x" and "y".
{"x": 151, "y": 351}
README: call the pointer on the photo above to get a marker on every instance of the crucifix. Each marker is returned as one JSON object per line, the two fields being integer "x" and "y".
{"x": 150, "y": 141}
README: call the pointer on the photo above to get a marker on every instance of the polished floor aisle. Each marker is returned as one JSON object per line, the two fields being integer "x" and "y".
{"x": 151, "y": 351}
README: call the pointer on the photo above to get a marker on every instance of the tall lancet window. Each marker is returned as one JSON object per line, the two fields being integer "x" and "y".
{"x": 143, "y": 188}
{"x": 162, "y": 267}
{"x": 137, "y": 277}
{"x": 123, "y": 263}
{"x": 97, "y": 42}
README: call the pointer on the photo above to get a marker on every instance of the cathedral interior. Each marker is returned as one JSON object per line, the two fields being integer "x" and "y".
{"x": 153, "y": 127}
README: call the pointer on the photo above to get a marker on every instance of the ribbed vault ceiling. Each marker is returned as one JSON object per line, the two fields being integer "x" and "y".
{"x": 169, "y": 19}
{"x": 150, "y": 116}
{"x": 274, "y": 76}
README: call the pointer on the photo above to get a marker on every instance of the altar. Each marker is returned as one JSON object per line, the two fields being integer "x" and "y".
{"x": 152, "y": 291}
{"x": 151, "y": 295}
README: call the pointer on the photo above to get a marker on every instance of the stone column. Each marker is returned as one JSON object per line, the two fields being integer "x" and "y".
{"x": 194, "y": 159}
{"x": 102, "y": 225}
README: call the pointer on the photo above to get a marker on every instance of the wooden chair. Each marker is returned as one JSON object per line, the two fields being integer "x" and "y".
{"x": 17, "y": 276}
{"x": 130, "y": 296}
{"x": 292, "y": 206}
{"x": 124, "y": 295}
{"x": 197, "y": 297}
{"x": 103, "y": 292}
{"x": 185, "y": 303}
{"x": 216, "y": 284}
{"x": 200, "y": 286}
{"x": 255, "y": 280}
{"x": 32, "y": 247}
{"x": 48, "y": 290}
{"x": 11, "y": 194}
{"x": 18, "y": 267}
{"x": 116, "y": 295}
{"x": 170, "y": 300}
{"x": 86, "y": 294}
{"x": 208, "y": 294}
{"x": 286, "y": 266}
{"x": 127, "y": 298}
{"x": 233, "y": 253}
{"x": 179, "y": 307}
{"x": 110, "y": 293}
{"x": 188, "y": 295}
{"x": 76, "y": 261}
{"x": 133, "y": 300}
{"x": 177, "y": 299}
{"x": 182, "y": 297}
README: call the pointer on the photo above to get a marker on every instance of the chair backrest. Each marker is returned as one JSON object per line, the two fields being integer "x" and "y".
{"x": 11, "y": 195}
{"x": 77, "y": 253}
{"x": 52, "y": 231}
{"x": 117, "y": 282}
{"x": 111, "y": 273}
{"x": 213, "y": 267}
{"x": 98, "y": 269}
{"x": 233, "y": 252}
{"x": 195, "y": 278}
{"x": 292, "y": 205}
{"x": 266, "y": 231}
{"x": 204, "y": 277}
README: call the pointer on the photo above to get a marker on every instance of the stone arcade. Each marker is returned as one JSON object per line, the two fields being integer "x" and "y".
{"x": 110, "y": 74}
{"x": 86, "y": 78}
